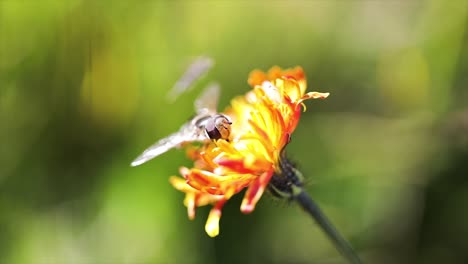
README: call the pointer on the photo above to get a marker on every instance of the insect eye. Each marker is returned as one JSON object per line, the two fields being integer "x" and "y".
{"x": 228, "y": 120}
{"x": 219, "y": 127}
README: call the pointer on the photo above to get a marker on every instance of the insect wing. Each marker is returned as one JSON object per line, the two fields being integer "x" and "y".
{"x": 187, "y": 133}
{"x": 199, "y": 67}
{"x": 207, "y": 101}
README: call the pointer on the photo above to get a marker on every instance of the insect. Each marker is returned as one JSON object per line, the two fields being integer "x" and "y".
{"x": 207, "y": 124}
{"x": 196, "y": 70}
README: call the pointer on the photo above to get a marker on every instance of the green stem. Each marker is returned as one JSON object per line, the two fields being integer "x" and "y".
{"x": 341, "y": 244}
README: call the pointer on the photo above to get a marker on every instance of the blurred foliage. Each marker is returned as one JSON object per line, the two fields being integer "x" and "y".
{"x": 82, "y": 92}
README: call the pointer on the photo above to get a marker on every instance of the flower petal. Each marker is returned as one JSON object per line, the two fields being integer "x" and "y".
{"x": 262, "y": 123}
{"x": 254, "y": 192}
{"x": 212, "y": 223}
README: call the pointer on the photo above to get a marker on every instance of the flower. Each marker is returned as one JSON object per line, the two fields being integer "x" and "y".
{"x": 262, "y": 123}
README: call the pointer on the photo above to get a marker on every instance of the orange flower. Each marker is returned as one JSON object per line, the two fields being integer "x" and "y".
{"x": 262, "y": 123}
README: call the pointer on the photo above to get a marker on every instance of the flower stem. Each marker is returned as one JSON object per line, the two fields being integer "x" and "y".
{"x": 341, "y": 244}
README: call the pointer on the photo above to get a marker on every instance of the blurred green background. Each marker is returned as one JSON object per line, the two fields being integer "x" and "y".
{"x": 82, "y": 93}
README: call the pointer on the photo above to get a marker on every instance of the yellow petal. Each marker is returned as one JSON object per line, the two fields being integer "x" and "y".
{"x": 212, "y": 224}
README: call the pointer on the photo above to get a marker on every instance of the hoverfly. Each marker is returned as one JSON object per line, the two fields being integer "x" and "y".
{"x": 207, "y": 124}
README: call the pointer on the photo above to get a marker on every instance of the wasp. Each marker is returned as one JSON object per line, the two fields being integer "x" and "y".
{"x": 207, "y": 124}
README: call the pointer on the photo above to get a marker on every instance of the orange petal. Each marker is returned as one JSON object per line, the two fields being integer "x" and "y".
{"x": 190, "y": 203}
{"x": 211, "y": 183}
{"x": 314, "y": 95}
{"x": 254, "y": 192}
{"x": 311, "y": 95}
{"x": 256, "y": 77}
{"x": 180, "y": 184}
{"x": 237, "y": 165}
